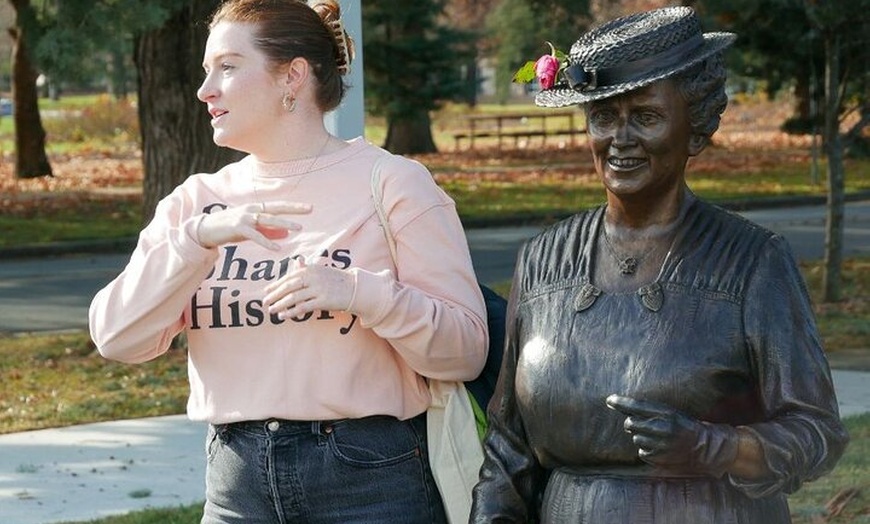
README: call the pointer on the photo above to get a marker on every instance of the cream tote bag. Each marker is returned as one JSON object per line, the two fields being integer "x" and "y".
{"x": 455, "y": 452}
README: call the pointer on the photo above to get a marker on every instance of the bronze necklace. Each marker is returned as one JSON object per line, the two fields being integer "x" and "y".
{"x": 627, "y": 264}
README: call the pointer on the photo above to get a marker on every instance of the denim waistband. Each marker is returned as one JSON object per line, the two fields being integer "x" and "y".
{"x": 277, "y": 426}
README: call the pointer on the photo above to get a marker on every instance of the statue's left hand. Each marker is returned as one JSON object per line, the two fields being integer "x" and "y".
{"x": 668, "y": 438}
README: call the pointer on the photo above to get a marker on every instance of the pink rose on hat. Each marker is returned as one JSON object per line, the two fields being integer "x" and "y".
{"x": 546, "y": 69}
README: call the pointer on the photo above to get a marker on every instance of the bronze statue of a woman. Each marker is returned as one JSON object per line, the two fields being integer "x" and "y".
{"x": 662, "y": 361}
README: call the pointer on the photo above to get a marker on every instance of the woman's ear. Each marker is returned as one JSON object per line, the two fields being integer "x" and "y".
{"x": 697, "y": 143}
{"x": 295, "y": 74}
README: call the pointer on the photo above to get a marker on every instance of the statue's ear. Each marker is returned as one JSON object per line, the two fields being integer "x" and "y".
{"x": 697, "y": 143}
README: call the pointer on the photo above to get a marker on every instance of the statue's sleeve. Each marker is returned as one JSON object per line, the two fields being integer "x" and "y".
{"x": 511, "y": 479}
{"x": 803, "y": 436}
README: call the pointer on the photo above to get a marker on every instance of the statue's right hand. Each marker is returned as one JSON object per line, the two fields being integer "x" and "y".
{"x": 260, "y": 223}
{"x": 668, "y": 438}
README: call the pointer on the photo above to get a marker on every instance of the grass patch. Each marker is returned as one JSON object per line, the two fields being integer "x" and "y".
{"x": 78, "y": 123}
{"x": 191, "y": 514}
{"x": 544, "y": 201}
{"x": 810, "y": 505}
{"x": 845, "y": 324}
{"x": 61, "y": 380}
{"x": 83, "y": 219}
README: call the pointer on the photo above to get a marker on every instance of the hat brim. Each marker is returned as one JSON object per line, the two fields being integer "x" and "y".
{"x": 562, "y": 96}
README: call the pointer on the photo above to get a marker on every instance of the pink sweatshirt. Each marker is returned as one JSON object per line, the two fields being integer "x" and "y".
{"x": 425, "y": 318}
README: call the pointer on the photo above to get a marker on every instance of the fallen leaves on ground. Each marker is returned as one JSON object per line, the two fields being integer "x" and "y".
{"x": 78, "y": 182}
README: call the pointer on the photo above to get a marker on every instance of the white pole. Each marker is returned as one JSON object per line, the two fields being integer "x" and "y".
{"x": 348, "y": 120}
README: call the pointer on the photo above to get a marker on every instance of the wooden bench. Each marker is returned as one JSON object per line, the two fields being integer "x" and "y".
{"x": 516, "y": 126}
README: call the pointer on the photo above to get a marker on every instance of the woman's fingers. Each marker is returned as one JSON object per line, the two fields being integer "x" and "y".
{"x": 287, "y": 296}
{"x": 284, "y": 292}
{"x": 306, "y": 288}
{"x": 260, "y": 223}
{"x": 272, "y": 222}
{"x": 284, "y": 208}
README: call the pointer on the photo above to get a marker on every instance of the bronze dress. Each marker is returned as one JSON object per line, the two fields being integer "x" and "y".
{"x": 725, "y": 334}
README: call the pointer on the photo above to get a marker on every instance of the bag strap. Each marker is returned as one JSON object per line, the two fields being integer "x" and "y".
{"x": 378, "y": 198}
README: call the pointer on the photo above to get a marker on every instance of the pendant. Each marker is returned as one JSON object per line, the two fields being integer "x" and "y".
{"x": 628, "y": 265}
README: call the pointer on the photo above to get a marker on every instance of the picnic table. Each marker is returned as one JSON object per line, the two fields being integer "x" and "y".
{"x": 519, "y": 125}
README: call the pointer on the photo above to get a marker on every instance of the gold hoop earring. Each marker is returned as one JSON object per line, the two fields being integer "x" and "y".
{"x": 289, "y": 102}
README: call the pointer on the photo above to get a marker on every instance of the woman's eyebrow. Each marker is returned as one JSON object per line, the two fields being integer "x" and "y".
{"x": 222, "y": 56}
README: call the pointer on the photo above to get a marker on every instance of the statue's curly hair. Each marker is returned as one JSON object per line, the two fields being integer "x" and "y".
{"x": 703, "y": 88}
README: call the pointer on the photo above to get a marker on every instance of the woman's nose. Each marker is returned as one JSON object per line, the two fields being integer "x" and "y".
{"x": 205, "y": 91}
{"x": 622, "y": 132}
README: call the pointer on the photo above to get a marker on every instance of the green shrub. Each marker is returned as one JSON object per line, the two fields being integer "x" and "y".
{"x": 106, "y": 120}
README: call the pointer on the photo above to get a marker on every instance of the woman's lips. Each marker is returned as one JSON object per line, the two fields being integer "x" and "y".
{"x": 216, "y": 114}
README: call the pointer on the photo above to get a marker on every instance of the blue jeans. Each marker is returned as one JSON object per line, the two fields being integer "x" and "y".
{"x": 369, "y": 470}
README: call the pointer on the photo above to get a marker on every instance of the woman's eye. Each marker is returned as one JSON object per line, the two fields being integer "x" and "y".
{"x": 226, "y": 67}
{"x": 647, "y": 118}
{"x": 602, "y": 118}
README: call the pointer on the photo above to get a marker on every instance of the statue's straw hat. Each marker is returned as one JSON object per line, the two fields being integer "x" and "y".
{"x": 631, "y": 52}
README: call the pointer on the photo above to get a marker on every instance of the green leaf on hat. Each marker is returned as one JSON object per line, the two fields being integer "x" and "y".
{"x": 525, "y": 74}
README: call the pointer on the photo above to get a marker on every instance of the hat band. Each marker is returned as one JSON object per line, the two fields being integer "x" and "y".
{"x": 580, "y": 79}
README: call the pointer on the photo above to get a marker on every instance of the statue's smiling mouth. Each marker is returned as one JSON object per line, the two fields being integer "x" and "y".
{"x": 625, "y": 164}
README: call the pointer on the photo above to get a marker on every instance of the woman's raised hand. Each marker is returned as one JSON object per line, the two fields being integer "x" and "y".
{"x": 260, "y": 223}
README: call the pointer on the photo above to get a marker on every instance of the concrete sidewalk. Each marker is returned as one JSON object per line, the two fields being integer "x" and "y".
{"x": 86, "y": 472}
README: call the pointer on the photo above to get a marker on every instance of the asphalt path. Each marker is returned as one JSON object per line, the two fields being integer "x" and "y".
{"x": 53, "y": 293}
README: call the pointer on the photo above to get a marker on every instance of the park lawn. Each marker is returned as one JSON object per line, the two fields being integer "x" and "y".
{"x": 60, "y": 380}
{"x": 849, "y": 484}
{"x": 179, "y": 515}
{"x": 83, "y": 220}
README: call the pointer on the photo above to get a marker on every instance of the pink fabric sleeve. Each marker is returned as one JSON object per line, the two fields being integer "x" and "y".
{"x": 433, "y": 311}
{"x": 135, "y": 317}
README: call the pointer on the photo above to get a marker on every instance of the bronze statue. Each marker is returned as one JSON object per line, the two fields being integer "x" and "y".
{"x": 662, "y": 361}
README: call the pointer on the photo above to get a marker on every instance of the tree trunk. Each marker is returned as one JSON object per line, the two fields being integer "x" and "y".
{"x": 831, "y": 288}
{"x": 30, "y": 158}
{"x": 175, "y": 129}
{"x": 118, "y": 80}
{"x": 409, "y": 136}
{"x": 802, "y": 100}
{"x": 472, "y": 80}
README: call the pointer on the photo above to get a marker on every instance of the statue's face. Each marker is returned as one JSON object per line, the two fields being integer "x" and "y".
{"x": 641, "y": 140}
